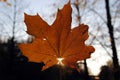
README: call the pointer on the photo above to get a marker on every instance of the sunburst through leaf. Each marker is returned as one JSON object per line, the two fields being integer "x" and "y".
{"x": 57, "y": 43}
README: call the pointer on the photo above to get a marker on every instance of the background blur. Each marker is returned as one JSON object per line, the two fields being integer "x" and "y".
{"x": 102, "y": 16}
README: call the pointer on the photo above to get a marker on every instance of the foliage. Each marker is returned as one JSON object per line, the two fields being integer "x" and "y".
{"x": 56, "y": 41}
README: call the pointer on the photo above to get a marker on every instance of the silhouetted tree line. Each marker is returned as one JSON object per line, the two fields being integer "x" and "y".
{"x": 19, "y": 68}
{"x": 15, "y": 66}
{"x": 107, "y": 73}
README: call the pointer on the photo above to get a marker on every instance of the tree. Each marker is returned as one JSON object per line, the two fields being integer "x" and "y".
{"x": 113, "y": 45}
{"x": 106, "y": 73}
{"x": 76, "y": 4}
{"x": 94, "y": 15}
{"x": 12, "y": 22}
{"x": 12, "y": 17}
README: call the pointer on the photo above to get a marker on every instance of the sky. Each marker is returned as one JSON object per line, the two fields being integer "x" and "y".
{"x": 47, "y": 9}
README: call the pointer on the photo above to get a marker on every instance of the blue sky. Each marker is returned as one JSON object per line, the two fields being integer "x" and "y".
{"x": 47, "y": 9}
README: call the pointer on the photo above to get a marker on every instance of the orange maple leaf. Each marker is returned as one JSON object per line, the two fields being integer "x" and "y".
{"x": 58, "y": 41}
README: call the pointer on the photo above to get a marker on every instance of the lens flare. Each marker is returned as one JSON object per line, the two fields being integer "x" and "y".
{"x": 60, "y": 61}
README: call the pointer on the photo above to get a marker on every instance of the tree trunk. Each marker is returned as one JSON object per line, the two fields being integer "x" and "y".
{"x": 111, "y": 33}
{"x": 87, "y": 77}
{"x": 86, "y": 71}
{"x": 11, "y": 41}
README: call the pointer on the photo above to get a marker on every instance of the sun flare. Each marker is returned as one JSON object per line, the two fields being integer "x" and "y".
{"x": 60, "y": 61}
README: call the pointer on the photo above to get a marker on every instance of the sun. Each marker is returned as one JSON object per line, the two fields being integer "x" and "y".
{"x": 60, "y": 61}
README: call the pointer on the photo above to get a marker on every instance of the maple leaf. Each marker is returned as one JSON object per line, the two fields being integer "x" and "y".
{"x": 58, "y": 41}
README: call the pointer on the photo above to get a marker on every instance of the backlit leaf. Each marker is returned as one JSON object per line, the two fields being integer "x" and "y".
{"x": 57, "y": 40}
